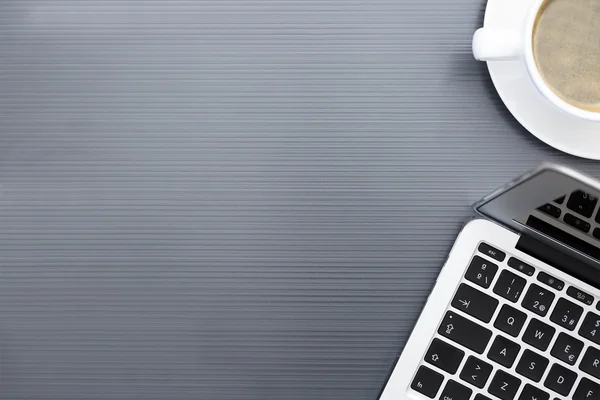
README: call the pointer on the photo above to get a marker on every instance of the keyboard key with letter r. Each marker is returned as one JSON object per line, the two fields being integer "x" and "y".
{"x": 465, "y": 332}
{"x": 591, "y": 362}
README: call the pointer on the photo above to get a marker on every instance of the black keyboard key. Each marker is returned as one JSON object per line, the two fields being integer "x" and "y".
{"x": 504, "y": 386}
{"x": 590, "y": 327}
{"x": 504, "y": 351}
{"x": 510, "y": 320}
{"x": 550, "y": 281}
{"x": 538, "y": 334}
{"x": 582, "y": 203}
{"x": 476, "y": 372}
{"x": 577, "y": 223}
{"x": 455, "y": 391}
{"x": 560, "y": 200}
{"x": 580, "y": 295}
{"x": 521, "y": 266}
{"x": 475, "y": 303}
{"x": 532, "y": 365}
{"x": 481, "y": 272}
{"x": 444, "y": 356}
{"x": 596, "y": 232}
{"x": 427, "y": 382}
{"x": 598, "y": 306}
{"x": 560, "y": 379}
{"x": 509, "y": 286}
{"x": 492, "y": 252}
{"x": 532, "y": 393}
{"x": 551, "y": 210}
{"x": 566, "y": 314}
{"x": 590, "y": 362}
{"x": 587, "y": 390}
{"x": 567, "y": 348}
{"x": 465, "y": 332}
{"x": 538, "y": 300}
{"x": 481, "y": 397}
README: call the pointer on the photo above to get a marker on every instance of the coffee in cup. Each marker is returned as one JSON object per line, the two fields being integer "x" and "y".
{"x": 566, "y": 50}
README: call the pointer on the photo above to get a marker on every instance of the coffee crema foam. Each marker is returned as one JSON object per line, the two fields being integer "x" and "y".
{"x": 566, "y": 48}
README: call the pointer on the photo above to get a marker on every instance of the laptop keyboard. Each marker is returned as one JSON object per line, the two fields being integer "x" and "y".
{"x": 512, "y": 332}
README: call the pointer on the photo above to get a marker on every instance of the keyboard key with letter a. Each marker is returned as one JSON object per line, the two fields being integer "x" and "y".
{"x": 504, "y": 351}
{"x": 465, "y": 332}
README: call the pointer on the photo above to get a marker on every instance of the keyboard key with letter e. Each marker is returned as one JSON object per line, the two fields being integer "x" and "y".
{"x": 465, "y": 332}
{"x": 474, "y": 303}
{"x": 567, "y": 348}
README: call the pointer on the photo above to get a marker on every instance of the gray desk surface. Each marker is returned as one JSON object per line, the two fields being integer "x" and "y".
{"x": 234, "y": 199}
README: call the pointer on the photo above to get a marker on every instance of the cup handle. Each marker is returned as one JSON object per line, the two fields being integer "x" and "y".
{"x": 496, "y": 44}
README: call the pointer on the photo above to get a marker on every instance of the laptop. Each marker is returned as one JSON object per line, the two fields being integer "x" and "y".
{"x": 515, "y": 311}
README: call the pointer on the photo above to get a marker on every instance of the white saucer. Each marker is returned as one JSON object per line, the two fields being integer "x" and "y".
{"x": 540, "y": 117}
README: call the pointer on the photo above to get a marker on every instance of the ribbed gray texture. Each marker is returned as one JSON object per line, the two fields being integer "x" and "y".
{"x": 234, "y": 199}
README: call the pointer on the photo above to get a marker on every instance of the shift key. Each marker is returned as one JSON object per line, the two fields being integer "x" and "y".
{"x": 465, "y": 332}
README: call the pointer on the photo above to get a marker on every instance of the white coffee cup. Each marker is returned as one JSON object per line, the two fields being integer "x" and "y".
{"x": 490, "y": 44}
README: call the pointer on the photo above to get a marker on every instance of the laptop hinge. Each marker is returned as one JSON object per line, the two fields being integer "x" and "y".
{"x": 559, "y": 260}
